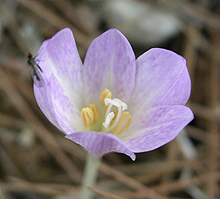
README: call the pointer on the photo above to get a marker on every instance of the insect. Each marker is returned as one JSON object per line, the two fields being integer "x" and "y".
{"x": 35, "y": 70}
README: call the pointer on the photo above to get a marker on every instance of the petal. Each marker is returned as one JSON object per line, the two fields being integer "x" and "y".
{"x": 99, "y": 144}
{"x": 42, "y": 96}
{"x": 162, "y": 79}
{"x": 65, "y": 111}
{"x": 59, "y": 56}
{"x": 109, "y": 63}
{"x": 156, "y": 127}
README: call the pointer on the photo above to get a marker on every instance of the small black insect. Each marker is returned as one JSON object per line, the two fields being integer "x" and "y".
{"x": 35, "y": 71}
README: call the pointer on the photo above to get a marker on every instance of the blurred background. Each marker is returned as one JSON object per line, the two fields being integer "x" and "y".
{"x": 37, "y": 162}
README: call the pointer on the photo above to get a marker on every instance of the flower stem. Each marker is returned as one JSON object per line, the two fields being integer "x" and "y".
{"x": 90, "y": 175}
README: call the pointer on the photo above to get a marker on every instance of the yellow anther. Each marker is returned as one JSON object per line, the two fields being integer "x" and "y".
{"x": 95, "y": 110}
{"x": 87, "y": 116}
{"x": 123, "y": 123}
{"x": 105, "y": 94}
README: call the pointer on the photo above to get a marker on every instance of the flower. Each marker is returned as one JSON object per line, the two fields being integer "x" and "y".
{"x": 113, "y": 102}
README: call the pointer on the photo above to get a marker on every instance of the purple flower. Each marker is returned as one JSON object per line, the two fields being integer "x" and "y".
{"x": 113, "y": 102}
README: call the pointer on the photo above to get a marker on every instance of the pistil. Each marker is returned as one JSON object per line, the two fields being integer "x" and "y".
{"x": 110, "y": 103}
{"x": 108, "y": 119}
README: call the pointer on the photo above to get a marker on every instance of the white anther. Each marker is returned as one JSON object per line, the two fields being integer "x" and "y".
{"x": 123, "y": 105}
{"x": 108, "y": 119}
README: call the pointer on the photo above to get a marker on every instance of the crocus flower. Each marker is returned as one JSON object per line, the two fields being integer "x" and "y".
{"x": 113, "y": 102}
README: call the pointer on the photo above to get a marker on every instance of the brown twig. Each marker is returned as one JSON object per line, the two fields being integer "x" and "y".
{"x": 119, "y": 176}
{"x": 106, "y": 194}
{"x": 180, "y": 185}
{"x": 55, "y": 20}
{"x": 14, "y": 29}
{"x": 213, "y": 126}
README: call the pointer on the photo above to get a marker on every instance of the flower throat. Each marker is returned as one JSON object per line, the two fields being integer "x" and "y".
{"x": 114, "y": 118}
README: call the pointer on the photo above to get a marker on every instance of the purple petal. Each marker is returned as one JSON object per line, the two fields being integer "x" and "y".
{"x": 99, "y": 144}
{"x": 109, "y": 63}
{"x": 42, "y": 95}
{"x": 66, "y": 113}
{"x": 156, "y": 127}
{"x": 162, "y": 79}
{"x": 44, "y": 102}
{"x": 58, "y": 56}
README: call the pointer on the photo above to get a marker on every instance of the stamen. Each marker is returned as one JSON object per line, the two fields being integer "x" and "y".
{"x": 108, "y": 119}
{"x": 95, "y": 110}
{"x": 105, "y": 94}
{"x": 123, "y": 123}
{"x": 87, "y": 116}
